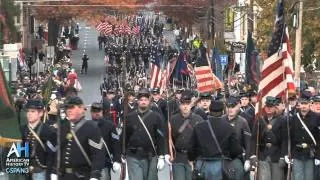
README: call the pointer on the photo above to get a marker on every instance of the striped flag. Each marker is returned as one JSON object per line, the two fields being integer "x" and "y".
{"x": 108, "y": 29}
{"x": 156, "y": 73}
{"x": 277, "y": 70}
{"x": 101, "y": 26}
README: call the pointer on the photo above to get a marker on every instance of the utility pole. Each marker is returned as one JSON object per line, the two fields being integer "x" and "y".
{"x": 298, "y": 48}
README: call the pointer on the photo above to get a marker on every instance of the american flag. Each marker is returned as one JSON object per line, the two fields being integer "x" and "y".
{"x": 108, "y": 30}
{"x": 136, "y": 30}
{"x": 206, "y": 80}
{"x": 277, "y": 70}
{"x": 156, "y": 72}
{"x": 101, "y": 26}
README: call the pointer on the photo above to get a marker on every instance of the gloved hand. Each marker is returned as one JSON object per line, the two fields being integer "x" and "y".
{"x": 253, "y": 160}
{"x": 286, "y": 159}
{"x": 116, "y": 166}
{"x": 53, "y": 177}
{"x": 160, "y": 164}
{"x": 316, "y": 162}
{"x": 282, "y": 163}
{"x": 247, "y": 166}
{"x": 167, "y": 159}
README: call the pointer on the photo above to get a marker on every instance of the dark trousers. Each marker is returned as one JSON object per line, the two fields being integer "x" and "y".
{"x": 84, "y": 68}
{"x": 72, "y": 177}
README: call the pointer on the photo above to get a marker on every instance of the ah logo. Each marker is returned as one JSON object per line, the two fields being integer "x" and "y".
{"x": 16, "y": 149}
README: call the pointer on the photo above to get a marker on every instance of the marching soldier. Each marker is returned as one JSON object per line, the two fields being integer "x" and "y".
{"x": 270, "y": 143}
{"x": 304, "y": 138}
{"x": 111, "y": 141}
{"x": 316, "y": 104}
{"x": 82, "y": 152}
{"x": 316, "y": 109}
{"x": 182, "y": 125}
{"x": 280, "y": 107}
{"x": 111, "y": 107}
{"x": 243, "y": 133}
{"x": 159, "y": 102}
{"x": 203, "y": 148}
{"x": 144, "y": 140}
{"x": 204, "y": 102}
{"x": 292, "y": 105}
{"x": 174, "y": 103}
{"x": 132, "y": 105}
{"x": 42, "y": 140}
{"x": 246, "y": 110}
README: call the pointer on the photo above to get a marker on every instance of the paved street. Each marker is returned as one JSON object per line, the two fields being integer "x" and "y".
{"x": 90, "y": 82}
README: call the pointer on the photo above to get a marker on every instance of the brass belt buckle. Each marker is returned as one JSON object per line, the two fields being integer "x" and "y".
{"x": 69, "y": 170}
{"x": 304, "y": 145}
{"x": 268, "y": 145}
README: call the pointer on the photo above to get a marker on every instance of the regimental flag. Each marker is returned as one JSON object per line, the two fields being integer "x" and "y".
{"x": 156, "y": 72}
{"x": 251, "y": 62}
{"x": 277, "y": 70}
{"x": 206, "y": 80}
{"x": 181, "y": 68}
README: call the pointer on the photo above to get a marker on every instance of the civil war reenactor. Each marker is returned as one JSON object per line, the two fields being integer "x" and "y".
{"x": 204, "y": 103}
{"x": 111, "y": 107}
{"x": 42, "y": 141}
{"x": 132, "y": 104}
{"x": 174, "y": 102}
{"x": 316, "y": 109}
{"x": 271, "y": 143}
{"x": 246, "y": 111}
{"x": 203, "y": 148}
{"x": 144, "y": 140}
{"x": 159, "y": 102}
{"x": 280, "y": 108}
{"x": 82, "y": 152}
{"x": 243, "y": 133}
{"x": 181, "y": 127}
{"x": 111, "y": 141}
{"x": 292, "y": 104}
{"x": 304, "y": 135}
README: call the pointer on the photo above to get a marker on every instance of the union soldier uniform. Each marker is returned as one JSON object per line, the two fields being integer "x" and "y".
{"x": 141, "y": 150}
{"x": 203, "y": 149}
{"x": 182, "y": 128}
{"x": 82, "y": 155}
{"x": 160, "y": 103}
{"x": 304, "y": 129}
{"x": 271, "y": 144}
{"x": 243, "y": 133}
{"x": 42, "y": 141}
{"x": 111, "y": 141}
{"x": 174, "y": 103}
